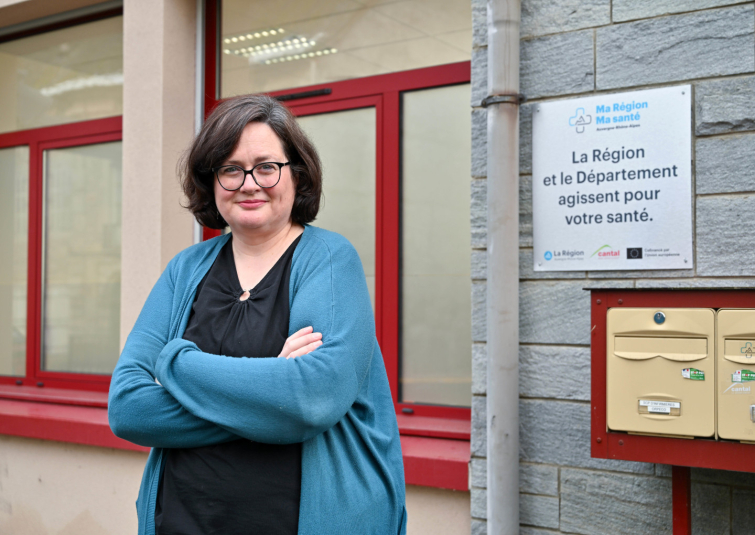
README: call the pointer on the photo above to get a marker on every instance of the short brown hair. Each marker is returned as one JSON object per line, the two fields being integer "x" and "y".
{"x": 218, "y": 138}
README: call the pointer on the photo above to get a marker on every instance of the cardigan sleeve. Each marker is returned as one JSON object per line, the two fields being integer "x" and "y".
{"x": 140, "y": 410}
{"x": 277, "y": 400}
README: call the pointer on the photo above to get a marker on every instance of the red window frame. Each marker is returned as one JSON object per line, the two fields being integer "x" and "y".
{"x": 37, "y": 383}
{"x": 383, "y": 92}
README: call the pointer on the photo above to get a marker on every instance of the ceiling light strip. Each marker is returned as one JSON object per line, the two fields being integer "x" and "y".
{"x": 249, "y": 36}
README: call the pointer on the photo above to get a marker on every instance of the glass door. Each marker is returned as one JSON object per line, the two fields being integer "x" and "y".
{"x": 345, "y": 141}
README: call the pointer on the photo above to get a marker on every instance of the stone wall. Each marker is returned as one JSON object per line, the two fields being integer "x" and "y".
{"x": 578, "y": 48}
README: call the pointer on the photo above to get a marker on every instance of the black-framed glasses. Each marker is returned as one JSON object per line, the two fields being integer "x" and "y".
{"x": 265, "y": 175}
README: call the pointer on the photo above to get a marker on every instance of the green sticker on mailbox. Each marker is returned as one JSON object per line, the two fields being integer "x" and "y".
{"x": 694, "y": 374}
{"x": 742, "y": 376}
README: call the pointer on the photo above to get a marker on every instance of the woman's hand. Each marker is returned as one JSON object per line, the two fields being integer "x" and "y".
{"x": 301, "y": 342}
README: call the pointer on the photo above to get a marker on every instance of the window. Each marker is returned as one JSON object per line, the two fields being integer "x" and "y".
{"x": 388, "y": 108}
{"x": 60, "y": 202}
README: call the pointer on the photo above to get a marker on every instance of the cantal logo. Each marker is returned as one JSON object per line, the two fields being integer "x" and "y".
{"x": 606, "y": 251}
{"x": 579, "y": 120}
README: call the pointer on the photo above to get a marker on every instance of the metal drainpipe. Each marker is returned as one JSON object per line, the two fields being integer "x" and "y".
{"x": 503, "y": 267}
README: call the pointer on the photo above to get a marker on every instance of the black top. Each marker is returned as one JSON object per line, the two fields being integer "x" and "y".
{"x": 238, "y": 487}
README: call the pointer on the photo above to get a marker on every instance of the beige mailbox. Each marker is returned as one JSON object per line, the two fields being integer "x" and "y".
{"x": 660, "y": 371}
{"x": 735, "y": 356}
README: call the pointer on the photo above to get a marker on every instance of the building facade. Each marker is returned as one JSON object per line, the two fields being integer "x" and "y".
{"x": 99, "y": 101}
{"x": 572, "y": 49}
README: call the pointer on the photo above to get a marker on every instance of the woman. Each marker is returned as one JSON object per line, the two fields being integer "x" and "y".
{"x": 305, "y": 443}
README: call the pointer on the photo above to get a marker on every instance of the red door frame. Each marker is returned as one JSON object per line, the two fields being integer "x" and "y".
{"x": 385, "y": 92}
{"x": 38, "y": 140}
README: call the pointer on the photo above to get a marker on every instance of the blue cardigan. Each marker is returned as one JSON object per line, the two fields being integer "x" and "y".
{"x": 336, "y": 400}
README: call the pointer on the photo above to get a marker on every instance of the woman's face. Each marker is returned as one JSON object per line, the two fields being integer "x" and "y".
{"x": 253, "y": 209}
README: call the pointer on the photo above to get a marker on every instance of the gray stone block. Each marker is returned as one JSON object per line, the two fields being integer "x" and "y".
{"x": 479, "y": 23}
{"x": 525, "y": 211}
{"x": 479, "y": 527}
{"x": 560, "y": 64}
{"x": 539, "y": 511}
{"x": 527, "y": 269}
{"x": 538, "y": 479}
{"x": 742, "y": 480}
{"x": 596, "y": 503}
{"x": 711, "y": 510}
{"x": 479, "y": 262}
{"x": 554, "y": 372}
{"x": 479, "y": 499}
{"x": 696, "y": 283}
{"x": 682, "y": 47}
{"x": 478, "y": 213}
{"x": 725, "y": 106}
{"x": 479, "y": 143}
{"x": 479, "y": 442}
{"x": 479, "y": 311}
{"x": 725, "y": 231}
{"x": 558, "y": 432}
{"x": 624, "y": 10}
{"x": 479, "y": 368}
{"x": 525, "y": 139}
{"x": 554, "y": 312}
{"x": 725, "y": 164}
{"x": 602, "y": 283}
{"x": 527, "y": 530}
{"x": 479, "y": 471}
{"x": 663, "y": 470}
{"x": 541, "y": 17}
{"x": 636, "y": 274}
{"x": 479, "y": 75}
{"x": 743, "y": 512}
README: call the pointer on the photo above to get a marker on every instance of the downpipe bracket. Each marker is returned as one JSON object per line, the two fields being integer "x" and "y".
{"x": 503, "y": 99}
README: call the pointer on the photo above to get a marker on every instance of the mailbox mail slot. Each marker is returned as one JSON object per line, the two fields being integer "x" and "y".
{"x": 661, "y": 376}
{"x": 736, "y": 374}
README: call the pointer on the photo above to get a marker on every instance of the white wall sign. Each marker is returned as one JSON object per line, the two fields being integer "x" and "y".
{"x": 611, "y": 182}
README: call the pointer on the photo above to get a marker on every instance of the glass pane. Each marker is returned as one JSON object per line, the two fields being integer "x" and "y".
{"x": 436, "y": 337}
{"x": 82, "y": 259}
{"x": 14, "y": 226}
{"x": 276, "y": 44}
{"x": 345, "y": 141}
{"x": 63, "y": 76}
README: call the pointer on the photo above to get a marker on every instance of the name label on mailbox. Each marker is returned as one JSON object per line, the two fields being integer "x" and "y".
{"x": 660, "y": 407}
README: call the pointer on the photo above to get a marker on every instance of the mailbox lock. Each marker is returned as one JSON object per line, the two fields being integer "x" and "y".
{"x": 659, "y": 317}
{"x": 752, "y": 413}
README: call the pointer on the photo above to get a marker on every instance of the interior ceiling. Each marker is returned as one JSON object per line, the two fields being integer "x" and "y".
{"x": 371, "y": 32}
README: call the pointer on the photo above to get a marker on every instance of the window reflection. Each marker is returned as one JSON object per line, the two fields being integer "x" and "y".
{"x": 275, "y": 44}
{"x": 345, "y": 141}
{"x": 82, "y": 259}
{"x": 14, "y": 222}
{"x": 436, "y": 333}
{"x": 63, "y": 76}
